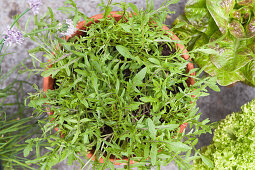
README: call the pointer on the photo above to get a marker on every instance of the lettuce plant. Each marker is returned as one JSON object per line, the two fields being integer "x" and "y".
{"x": 221, "y": 33}
{"x": 120, "y": 90}
{"x": 233, "y": 144}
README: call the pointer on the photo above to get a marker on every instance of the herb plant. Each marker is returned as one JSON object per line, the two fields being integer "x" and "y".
{"x": 12, "y": 35}
{"x": 14, "y": 132}
{"x": 15, "y": 127}
{"x": 233, "y": 142}
{"x": 221, "y": 34}
{"x": 120, "y": 91}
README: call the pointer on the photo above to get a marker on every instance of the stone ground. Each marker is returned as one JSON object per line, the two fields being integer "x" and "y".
{"x": 215, "y": 107}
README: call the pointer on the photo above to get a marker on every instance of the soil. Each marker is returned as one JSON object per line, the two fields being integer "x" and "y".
{"x": 167, "y": 50}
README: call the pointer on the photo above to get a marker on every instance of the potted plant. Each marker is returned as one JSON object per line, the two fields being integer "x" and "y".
{"x": 233, "y": 141}
{"x": 221, "y": 34}
{"x": 124, "y": 90}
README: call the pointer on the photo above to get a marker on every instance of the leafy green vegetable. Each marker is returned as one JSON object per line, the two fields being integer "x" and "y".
{"x": 233, "y": 142}
{"x": 121, "y": 90}
{"x": 225, "y": 26}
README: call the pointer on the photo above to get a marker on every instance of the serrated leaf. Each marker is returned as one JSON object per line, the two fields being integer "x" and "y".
{"x": 82, "y": 100}
{"x": 28, "y": 149}
{"x": 152, "y": 129}
{"x": 81, "y": 72}
{"x": 49, "y": 72}
{"x": 126, "y": 27}
{"x": 38, "y": 102}
{"x": 134, "y": 106}
{"x": 75, "y": 136}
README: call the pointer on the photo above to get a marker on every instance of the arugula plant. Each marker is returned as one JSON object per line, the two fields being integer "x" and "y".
{"x": 221, "y": 34}
{"x": 120, "y": 90}
{"x": 233, "y": 142}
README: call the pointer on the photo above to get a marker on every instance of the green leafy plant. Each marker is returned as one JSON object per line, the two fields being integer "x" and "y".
{"x": 15, "y": 127}
{"x": 221, "y": 34}
{"x": 14, "y": 132}
{"x": 120, "y": 91}
{"x": 233, "y": 142}
{"x": 11, "y": 35}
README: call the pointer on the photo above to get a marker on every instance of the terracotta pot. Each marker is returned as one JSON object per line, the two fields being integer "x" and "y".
{"x": 48, "y": 81}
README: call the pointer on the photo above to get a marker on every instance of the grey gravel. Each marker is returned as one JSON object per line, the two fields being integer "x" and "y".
{"x": 215, "y": 107}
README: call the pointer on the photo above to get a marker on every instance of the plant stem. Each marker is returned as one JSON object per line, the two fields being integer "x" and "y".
{"x": 2, "y": 41}
{"x": 38, "y": 31}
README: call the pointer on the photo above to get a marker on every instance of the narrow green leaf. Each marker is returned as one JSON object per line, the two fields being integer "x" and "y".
{"x": 81, "y": 72}
{"x": 126, "y": 27}
{"x": 137, "y": 80}
{"x": 49, "y": 72}
{"x": 70, "y": 159}
{"x": 75, "y": 136}
{"x": 207, "y": 161}
{"x": 206, "y": 51}
{"x": 152, "y": 128}
{"x": 154, "y": 60}
{"x": 169, "y": 127}
{"x": 146, "y": 150}
{"x": 133, "y": 7}
{"x": 179, "y": 146}
{"x": 28, "y": 149}
{"x": 134, "y": 106}
{"x": 124, "y": 51}
{"x": 85, "y": 120}
{"x": 148, "y": 99}
{"x": 153, "y": 153}
{"x": 85, "y": 138}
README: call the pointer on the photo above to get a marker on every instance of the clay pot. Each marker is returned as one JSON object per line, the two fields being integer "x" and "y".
{"x": 48, "y": 81}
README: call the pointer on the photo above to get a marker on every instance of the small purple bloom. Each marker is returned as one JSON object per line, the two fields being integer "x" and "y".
{"x": 13, "y": 36}
{"x": 34, "y": 5}
{"x": 68, "y": 28}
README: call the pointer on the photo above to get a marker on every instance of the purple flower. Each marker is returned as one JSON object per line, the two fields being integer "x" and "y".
{"x": 34, "y": 5}
{"x": 68, "y": 28}
{"x": 13, "y": 36}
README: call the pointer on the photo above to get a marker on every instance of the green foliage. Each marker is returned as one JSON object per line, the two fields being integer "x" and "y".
{"x": 221, "y": 34}
{"x": 116, "y": 92}
{"x": 15, "y": 127}
{"x": 233, "y": 142}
